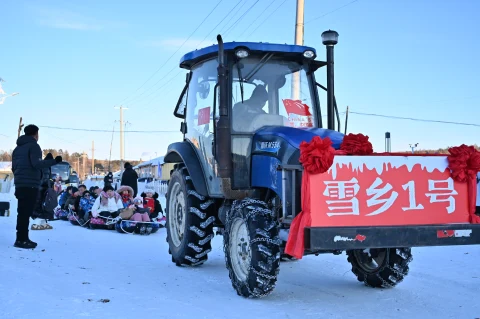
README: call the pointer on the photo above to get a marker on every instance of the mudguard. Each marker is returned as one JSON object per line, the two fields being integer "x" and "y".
{"x": 183, "y": 152}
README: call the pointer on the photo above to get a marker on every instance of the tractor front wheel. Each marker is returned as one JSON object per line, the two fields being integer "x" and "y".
{"x": 189, "y": 223}
{"x": 252, "y": 248}
{"x": 380, "y": 268}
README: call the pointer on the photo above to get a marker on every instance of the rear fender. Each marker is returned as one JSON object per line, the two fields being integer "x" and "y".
{"x": 183, "y": 152}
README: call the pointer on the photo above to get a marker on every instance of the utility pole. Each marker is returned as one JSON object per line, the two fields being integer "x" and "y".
{"x": 93, "y": 157}
{"x": 84, "y": 155}
{"x": 20, "y": 126}
{"x": 299, "y": 31}
{"x": 126, "y": 123}
{"x": 121, "y": 135}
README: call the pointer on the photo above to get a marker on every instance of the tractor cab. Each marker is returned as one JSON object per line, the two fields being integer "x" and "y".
{"x": 265, "y": 92}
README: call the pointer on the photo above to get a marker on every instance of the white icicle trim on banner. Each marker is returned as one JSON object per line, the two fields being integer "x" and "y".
{"x": 381, "y": 163}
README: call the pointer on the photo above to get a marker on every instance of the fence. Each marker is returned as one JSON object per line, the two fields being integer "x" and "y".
{"x": 159, "y": 186}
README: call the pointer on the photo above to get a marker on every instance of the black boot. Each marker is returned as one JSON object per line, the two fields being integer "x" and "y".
{"x": 26, "y": 244}
{"x": 32, "y": 242}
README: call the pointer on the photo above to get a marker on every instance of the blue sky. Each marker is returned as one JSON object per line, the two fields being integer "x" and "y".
{"x": 73, "y": 61}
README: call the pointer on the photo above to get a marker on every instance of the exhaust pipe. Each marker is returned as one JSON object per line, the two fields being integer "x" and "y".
{"x": 223, "y": 136}
{"x": 330, "y": 39}
{"x": 387, "y": 143}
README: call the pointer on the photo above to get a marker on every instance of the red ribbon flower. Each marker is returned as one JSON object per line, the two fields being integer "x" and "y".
{"x": 464, "y": 162}
{"x": 317, "y": 156}
{"x": 356, "y": 144}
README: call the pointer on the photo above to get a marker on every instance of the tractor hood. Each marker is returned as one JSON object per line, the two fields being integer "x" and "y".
{"x": 284, "y": 142}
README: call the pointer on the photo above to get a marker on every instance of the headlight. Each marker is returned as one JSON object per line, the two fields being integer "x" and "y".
{"x": 242, "y": 53}
{"x": 309, "y": 54}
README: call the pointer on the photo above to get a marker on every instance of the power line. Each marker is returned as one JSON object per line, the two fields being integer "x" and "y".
{"x": 215, "y": 27}
{"x": 161, "y": 91}
{"x": 241, "y": 18}
{"x": 345, "y": 5}
{"x": 201, "y": 23}
{"x": 415, "y": 119}
{"x": 93, "y": 130}
{"x": 257, "y": 18}
{"x": 233, "y": 16}
{"x": 138, "y": 99}
{"x": 265, "y": 20}
{"x": 139, "y": 96}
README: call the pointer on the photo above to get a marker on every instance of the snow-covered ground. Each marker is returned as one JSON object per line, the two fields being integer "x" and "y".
{"x": 73, "y": 269}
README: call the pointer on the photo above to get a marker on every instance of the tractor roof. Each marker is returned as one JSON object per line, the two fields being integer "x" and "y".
{"x": 191, "y": 58}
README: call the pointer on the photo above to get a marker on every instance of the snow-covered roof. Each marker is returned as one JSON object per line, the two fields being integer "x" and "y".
{"x": 5, "y": 166}
{"x": 153, "y": 162}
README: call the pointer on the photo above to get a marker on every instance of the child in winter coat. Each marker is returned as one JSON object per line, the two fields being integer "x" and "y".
{"x": 65, "y": 195}
{"x": 150, "y": 201}
{"x": 58, "y": 184}
{"x": 71, "y": 199}
{"x": 127, "y": 195}
{"x": 141, "y": 213}
{"x": 107, "y": 204}
{"x": 86, "y": 204}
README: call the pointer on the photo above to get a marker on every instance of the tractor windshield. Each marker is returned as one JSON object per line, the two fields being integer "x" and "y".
{"x": 271, "y": 91}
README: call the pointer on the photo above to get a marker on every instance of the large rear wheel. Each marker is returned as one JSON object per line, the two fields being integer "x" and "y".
{"x": 380, "y": 268}
{"x": 252, "y": 248}
{"x": 189, "y": 222}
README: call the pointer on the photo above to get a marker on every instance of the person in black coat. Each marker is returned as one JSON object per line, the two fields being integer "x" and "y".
{"x": 45, "y": 183}
{"x": 108, "y": 179}
{"x": 130, "y": 178}
{"x": 27, "y": 166}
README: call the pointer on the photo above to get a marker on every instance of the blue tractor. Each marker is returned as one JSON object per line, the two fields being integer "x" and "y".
{"x": 246, "y": 107}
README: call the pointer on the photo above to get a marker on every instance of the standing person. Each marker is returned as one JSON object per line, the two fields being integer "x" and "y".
{"x": 129, "y": 178}
{"x": 108, "y": 179}
{"x": 40, "y": 215}
{"x": 27, "y": 165}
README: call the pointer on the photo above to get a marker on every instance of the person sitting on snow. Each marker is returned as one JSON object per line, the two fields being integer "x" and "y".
{"x": 58, "y": 184}
{"x": 107, "y": 204}
{"x": 94, "y": 191}
{"x": 127, "y": 195}
{"x": 71, "y": 200}
{"x": 150, "y": 201}
{"x": 141, "y": 214}
{"x": 86, "y": 204}
{"x": 68, "y": 193}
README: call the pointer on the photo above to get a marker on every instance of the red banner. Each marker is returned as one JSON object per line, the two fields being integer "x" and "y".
{"x": 204, "y": 116}
{"x": 299, "y": 114}
{"x": 387, "y": 190}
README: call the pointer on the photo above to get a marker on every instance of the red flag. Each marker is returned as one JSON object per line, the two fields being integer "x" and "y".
{"x": 296, "y": 107}
{"x": 204, "y": 116}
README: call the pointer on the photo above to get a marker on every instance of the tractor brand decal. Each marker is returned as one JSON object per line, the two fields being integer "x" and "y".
{"x": 454, "y": 233}
{"x": 359, "y": 238}
{"x": 299, "y": 114}
{"x": 204, "y": 116}
{"x": 269, "y": 145}
{"x": 387, "y": 190}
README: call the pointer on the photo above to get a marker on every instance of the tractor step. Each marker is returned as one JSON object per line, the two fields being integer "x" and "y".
{"x": 345, "y": 238}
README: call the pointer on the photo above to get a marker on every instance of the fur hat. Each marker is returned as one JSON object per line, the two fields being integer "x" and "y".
{"x": 125, "y": 188}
